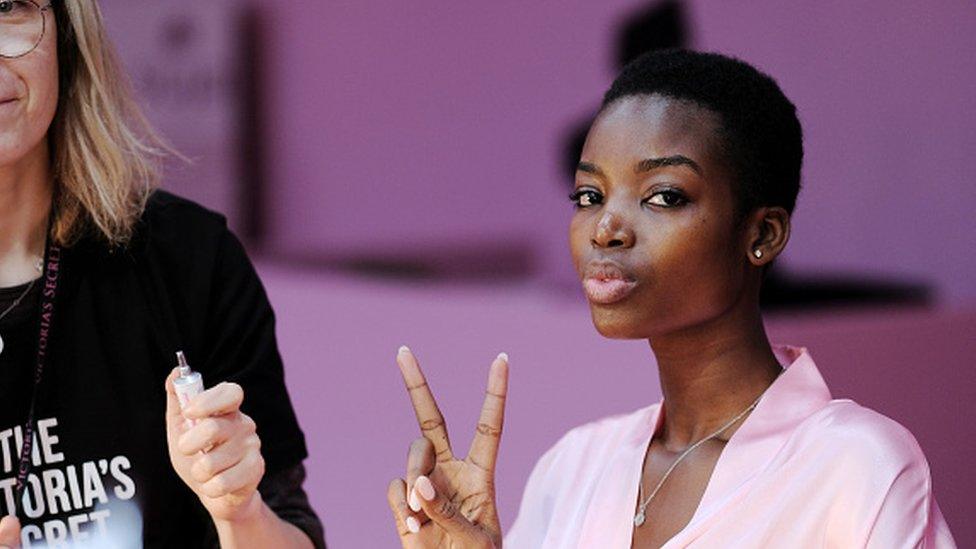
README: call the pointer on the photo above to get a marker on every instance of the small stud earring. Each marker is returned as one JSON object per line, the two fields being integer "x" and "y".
{"x": 758, "y": 253}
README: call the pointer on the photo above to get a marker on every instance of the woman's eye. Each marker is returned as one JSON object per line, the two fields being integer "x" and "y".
{"x": 12, "y": 7}
{"x": 585, "y": 198}
{"x": 667, "y": 199}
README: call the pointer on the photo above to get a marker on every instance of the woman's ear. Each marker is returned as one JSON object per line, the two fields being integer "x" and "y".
{"x": 768, "y": 232}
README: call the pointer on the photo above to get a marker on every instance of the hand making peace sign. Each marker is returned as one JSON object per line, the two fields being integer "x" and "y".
{"x": 447, "y": 502}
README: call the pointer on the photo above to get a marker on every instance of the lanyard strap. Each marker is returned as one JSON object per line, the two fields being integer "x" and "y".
{"x": 52, "y": 273}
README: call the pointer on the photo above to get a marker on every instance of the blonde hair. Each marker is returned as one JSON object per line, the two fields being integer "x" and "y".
{"x": 105, "y": 156}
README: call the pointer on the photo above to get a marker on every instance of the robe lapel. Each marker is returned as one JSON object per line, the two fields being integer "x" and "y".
{"x": 798, "y": 392}
{"x": 609, "y": 518}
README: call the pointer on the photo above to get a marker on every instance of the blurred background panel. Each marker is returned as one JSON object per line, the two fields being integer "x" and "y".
{"x": 414, "y": 133}
{"x": 400, "y": 172}
{"x": 188, "y": 69}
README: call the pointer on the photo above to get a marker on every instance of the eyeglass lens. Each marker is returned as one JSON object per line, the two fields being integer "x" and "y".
{"x": 21, "y": 27}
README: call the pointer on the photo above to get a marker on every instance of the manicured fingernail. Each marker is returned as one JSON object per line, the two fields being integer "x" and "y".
{"x": 503, "y": 356}
{"x": 403, "y": 349}
{"x": 413, "y": 501}
{"x": 425, "y": 488}
{"x": 413, "y": 525}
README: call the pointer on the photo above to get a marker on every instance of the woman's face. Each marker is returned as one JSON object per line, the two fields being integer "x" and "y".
{"x": 654, "y": 237}
{"x": 28, "y": 98}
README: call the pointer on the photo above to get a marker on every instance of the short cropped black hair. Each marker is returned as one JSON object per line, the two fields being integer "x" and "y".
{"x": 760, "y": 132}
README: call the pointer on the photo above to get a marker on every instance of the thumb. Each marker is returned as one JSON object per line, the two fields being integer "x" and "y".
{"x": 174, "y": 414}
{"x": 446, "y": 515}
{"x": 9, "y": 532}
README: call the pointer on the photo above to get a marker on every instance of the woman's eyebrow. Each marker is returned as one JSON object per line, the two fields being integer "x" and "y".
{"x": 649, "y": 164}
{"x": 589, "y": 167}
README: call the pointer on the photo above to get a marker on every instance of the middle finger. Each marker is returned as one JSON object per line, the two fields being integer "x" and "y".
{"x": 208, "y": 434}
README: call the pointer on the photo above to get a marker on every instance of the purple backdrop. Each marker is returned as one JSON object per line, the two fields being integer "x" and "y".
{"x": 398, "y": 128}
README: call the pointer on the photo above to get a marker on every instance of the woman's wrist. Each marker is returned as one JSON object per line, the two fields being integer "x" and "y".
{"x": 257, "y": 525}
{"x": 253, "y": 511}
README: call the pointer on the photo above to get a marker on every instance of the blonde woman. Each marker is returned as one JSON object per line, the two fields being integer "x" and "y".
{"x": 102, "y": 279}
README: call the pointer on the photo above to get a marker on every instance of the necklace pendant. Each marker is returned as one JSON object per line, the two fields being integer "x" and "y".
{"x": 639, "y": 518}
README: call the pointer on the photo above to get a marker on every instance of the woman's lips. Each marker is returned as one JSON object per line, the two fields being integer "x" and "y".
{"x": 605, "y": 284}
{"x": 607, "y": 291}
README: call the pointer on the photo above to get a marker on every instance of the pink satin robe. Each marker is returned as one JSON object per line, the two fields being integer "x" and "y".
{"x": 803, "y": 470}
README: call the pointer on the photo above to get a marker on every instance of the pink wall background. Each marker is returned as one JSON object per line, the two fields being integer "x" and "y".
{"x": 397, "y": 128}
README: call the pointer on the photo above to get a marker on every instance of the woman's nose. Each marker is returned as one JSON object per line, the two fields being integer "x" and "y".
{"x": 612, "y": 231}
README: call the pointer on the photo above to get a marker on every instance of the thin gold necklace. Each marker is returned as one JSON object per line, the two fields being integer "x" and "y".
{"x": 641, "y": 517}
{"x": 40, "y": 267}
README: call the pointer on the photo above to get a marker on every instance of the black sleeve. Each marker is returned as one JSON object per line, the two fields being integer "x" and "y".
{"x": 211, "y": 303}
{"x": 283, "y": 493}
{"x": 241, "y": 347}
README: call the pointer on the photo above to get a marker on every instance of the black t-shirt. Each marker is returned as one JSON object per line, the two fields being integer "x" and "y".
{"x": 101, "y": 471}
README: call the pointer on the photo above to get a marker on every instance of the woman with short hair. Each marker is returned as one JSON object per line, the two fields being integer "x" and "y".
{"x": 683, "y": 197}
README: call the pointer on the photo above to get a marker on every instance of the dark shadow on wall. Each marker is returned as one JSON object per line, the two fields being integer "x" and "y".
{"x": 660, "y": 26}
{"x": 252, "y": 39}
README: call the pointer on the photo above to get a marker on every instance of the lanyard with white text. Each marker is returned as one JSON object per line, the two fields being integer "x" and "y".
{"x": 49, "y": 287}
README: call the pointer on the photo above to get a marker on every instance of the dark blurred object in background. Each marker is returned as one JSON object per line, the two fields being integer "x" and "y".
{"x": 791, "y": 292}
{"x": 658, "y": 26}
{"x": 253, "y": 110}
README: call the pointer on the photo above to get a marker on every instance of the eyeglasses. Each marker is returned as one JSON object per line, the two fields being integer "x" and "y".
{"x": 22, "y": 25}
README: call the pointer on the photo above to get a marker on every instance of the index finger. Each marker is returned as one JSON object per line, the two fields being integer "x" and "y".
{"x": 424, "y": 406}
{"x": 224, "y": 398}
{"x": 173, "y": 414}
{"x": 484, "y": 447}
